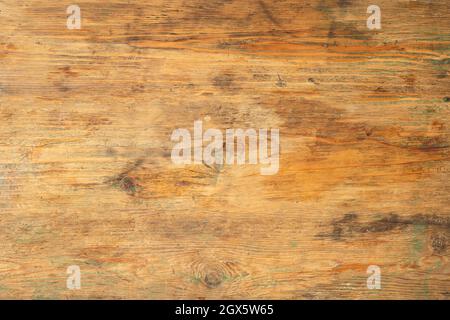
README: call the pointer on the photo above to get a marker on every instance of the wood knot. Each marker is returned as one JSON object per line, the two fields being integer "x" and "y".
{"x": 213, "y": 279}
{"x": 439, "y": 243}
{"x": 126, "y": 184}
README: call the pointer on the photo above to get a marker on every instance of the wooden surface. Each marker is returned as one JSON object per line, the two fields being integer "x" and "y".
{"x": 86, "y": 176}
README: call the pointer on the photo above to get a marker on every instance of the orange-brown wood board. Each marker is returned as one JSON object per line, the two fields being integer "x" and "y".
{"x": 87, "y": 176}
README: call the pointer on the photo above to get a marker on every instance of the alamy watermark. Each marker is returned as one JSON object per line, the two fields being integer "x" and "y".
{"x": 74, "y": 18}
{"x": 74, "y": 279}
{"x": 191, "y": 149}
{"x": 374, "y": 280}
{"x": 374, "y": 20}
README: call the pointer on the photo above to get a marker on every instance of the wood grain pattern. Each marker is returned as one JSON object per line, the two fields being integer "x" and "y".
{"x": 86, "y": 176}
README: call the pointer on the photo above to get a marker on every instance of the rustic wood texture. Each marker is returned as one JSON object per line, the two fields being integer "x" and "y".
{"x": 86, "y": 176}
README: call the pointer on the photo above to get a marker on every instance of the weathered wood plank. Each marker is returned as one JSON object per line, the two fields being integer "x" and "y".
{"x": 86, "y": 176}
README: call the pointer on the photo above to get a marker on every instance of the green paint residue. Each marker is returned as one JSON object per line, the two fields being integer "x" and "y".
{"x": 417, "y": 243}
{"x": 227, "y": 277}
{"x": 441, "y": 66}
{"x": 3, "y": 288}
{"x": 426, "y": 281}
{"x": 195, "y": 279}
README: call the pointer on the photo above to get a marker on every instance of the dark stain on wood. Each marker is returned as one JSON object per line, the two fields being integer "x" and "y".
{"x": 349, "y": 225}
{"x": 225, "y": 81}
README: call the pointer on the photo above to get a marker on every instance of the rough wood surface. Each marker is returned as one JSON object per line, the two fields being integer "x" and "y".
{"x": 86, "y": 176}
